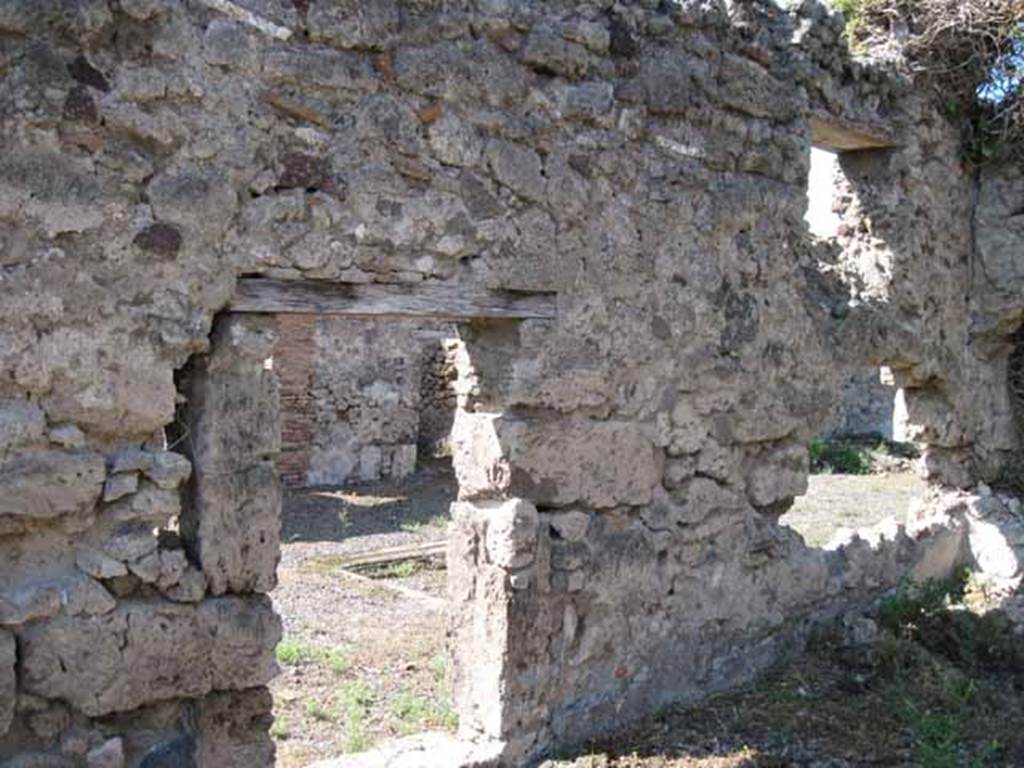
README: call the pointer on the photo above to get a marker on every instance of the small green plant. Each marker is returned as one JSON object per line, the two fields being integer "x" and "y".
{"x": 336, "y": 659}
{"x": 410, "y": 525}
{"x": 936, "y": 736}
{"x": 416, "y": 712}
{"x": 400, "y": 570}
{"x": 354, "y": 698}
{"x": 291, "y": 652}
{"x": 438, "y": 665}
{"x": 445, "y": 716}
{"x": 849, "y": 460}
{"x": 355, "y": 693}
{"x": 410, "y": 708}
{"x": 841, "y": 458}
{"x": 854, "y": 13}
{"x": 940, "y": 740}
{"x": 904, "y": 609}
{"x": 357, "y": 739}
{"x": 896, "y": 656}
{"x": 279, "y": 730}
{"x": 318, "y": 711}
{"x": 816, "y": 449}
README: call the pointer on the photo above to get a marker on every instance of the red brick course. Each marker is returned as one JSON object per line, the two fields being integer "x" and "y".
{"x": 293, "y": 363}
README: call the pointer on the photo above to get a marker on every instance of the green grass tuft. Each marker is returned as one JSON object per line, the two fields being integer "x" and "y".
{"x": 279, "y": 730}
{"x": 840, "y": 458}
{"x": 318, "y": 711}
{"x": 354, "y": 698}
{"x": 294, "y": 652}
{"x": 291, "y": 652}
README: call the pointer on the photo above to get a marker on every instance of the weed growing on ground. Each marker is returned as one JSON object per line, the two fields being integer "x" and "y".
{"x": 354, "y": 698}
{"x": 903, "y": 610}
{"x": 336, "y": 659}
{"x": 318, "y": 711}
{"x": 855, "y": 456}
{"x": 439, "y": 667}
{"x": 293, "y": 652}
{"x": 410, "y": 525}
{"x": 938, "y": 659}
{"x": 416, "y": 713}
{"x": 839, "y": 458}
{"x": 279, "y": 730}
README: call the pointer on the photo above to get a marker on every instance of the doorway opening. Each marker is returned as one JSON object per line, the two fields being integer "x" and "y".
{"x": 364, "y": 647}
{"x": 367, "y": 405}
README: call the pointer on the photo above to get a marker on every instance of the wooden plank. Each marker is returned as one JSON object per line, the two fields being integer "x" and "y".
{"x": 846, "y": 137}
{"x": 391, "y": 555}
{"x": 433, "y": 300}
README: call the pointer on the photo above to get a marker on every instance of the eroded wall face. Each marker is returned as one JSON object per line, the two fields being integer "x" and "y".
{"x": 995, "y": 322}
{"x": 866, "y": 406}
{"x": 621, "y": 468}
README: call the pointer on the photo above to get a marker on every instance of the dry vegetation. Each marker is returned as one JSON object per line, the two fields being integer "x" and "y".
{"x": 969, "y": 53}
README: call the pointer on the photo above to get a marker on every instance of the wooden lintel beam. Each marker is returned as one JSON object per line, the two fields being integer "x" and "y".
{"x": 835, "y": 136}
{"x": 441, "y": 301}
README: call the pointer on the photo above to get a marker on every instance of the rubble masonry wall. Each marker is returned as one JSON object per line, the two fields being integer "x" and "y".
{"x": 621, "y": 468}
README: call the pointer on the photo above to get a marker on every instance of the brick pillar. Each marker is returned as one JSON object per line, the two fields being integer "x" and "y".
{"x": 293, "y": 364}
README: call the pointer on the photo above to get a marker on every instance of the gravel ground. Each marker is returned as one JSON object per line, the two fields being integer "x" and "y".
{"x": 360, "y": 662}
{"x": 345, "y": 521}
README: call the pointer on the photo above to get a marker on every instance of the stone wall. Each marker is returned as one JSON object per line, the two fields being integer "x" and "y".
{"x": 995, "y": 320}
{"x": 361, "y": 398}
{"x": 621, "y": 468}
{"x": 866, "y": 406}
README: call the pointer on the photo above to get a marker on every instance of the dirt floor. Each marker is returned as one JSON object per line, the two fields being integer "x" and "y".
{"x": 851, "y": 501}
{"x": 360, "y": 661}
{"x": 363, "y": 661}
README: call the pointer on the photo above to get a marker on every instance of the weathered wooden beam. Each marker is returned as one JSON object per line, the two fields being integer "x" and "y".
{"x": 421, "y": 551}
{"x": 845, "y": 137}
{"x": 434, "y": 300}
